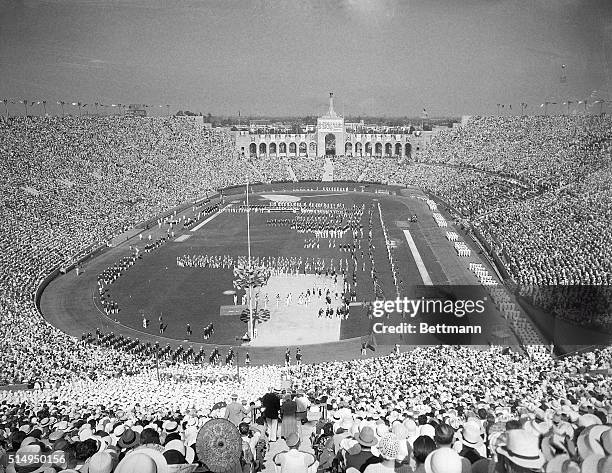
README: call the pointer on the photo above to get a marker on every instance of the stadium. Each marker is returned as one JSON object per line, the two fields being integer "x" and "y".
{"x": 332, "y": 298}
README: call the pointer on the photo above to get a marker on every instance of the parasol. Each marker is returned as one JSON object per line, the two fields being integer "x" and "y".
{"x": 219, "y": 445}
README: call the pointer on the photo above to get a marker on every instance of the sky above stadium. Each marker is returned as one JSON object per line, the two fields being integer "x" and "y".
{"x": 264, "y": 57}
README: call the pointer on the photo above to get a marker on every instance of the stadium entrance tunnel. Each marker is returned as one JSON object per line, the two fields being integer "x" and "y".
{"x": 330, "y": 144}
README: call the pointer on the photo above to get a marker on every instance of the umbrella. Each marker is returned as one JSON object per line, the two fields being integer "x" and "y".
{"x": 219, "y": 445}
{"x": 219, "y": 405}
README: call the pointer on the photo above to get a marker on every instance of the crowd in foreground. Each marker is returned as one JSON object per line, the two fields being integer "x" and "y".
{"x": 432, "y": 409}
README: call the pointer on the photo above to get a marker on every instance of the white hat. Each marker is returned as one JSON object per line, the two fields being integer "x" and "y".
{"x": 443, "y": 460}
{"x": 522, "y": 448}
{"x": 143, "y": 460}
{"x": 175, "y": 445}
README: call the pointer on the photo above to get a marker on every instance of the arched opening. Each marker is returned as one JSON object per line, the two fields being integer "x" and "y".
{"x": 302, "y": 149}
{"x": 282, "y": 148}
{"x": 348, "y": 148}
{"x": 358, "y": 149}
{"x": 398, "y": 149}
{"x": 378, "y": 149}
{"x": 313, "y": 148}
{"x": 262, "y": 148}
{"x": 272, "y": 149}
{"x": 408, "y": 149}
{"x": 330, "y": 144}
{"x": 252, "y": 149}
{"x": 292, "y": 148}
{"x": 368, "y": 149}
{"x": 388, "y": 149}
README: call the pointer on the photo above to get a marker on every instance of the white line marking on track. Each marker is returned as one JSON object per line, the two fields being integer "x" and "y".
{"x": 418, "y": 260}
{"x": 200, "y": 225}
{"x": 321, "y": 195}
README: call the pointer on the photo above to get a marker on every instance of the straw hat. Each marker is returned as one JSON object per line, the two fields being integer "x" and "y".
{"x": 387, "y": 448}
{"x": 143, "y": 460}
{"x": 101, "y": 462}
{"x": 366, "y": 437}
{"x": 597, "y": 464}
{"x": 28, "y": 466}
{"x": 562, "y": 464}
{"x": 522, "y": 449}
{"x": 471, "y": 434}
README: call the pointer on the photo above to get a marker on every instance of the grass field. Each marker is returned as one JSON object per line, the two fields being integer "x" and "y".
{"x": 157, "y": 286}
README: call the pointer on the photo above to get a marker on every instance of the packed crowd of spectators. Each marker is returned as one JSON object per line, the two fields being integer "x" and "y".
{"x": 267, "y": 169}
{"x": 561, "y": 237}
{"x": 546, "y": 151}
{"x": 68, "y": 184}
{"x": 538, "y": 188}
{"x": 308, "y": 168}
{"x": 484, "y": 407}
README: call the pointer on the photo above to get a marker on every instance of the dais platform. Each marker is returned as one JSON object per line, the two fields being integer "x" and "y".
{"x": 297, "y": 324}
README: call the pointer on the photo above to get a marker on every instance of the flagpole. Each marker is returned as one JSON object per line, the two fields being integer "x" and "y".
{"x": 249, "y": 262}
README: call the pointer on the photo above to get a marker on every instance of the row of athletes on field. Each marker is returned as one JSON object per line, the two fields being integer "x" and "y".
{"x": 278, "y": 265}
{"x": 216, "y": 357}
{"x": 332, "y": 223}
{"x": 107, "y": 277}
{"x": 300, "y": 206}
{"x": 207, "y": 331}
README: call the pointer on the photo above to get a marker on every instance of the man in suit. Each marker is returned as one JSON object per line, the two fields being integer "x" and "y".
{"x": 271, "y": 404}
{"x": 235, "y": 412}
